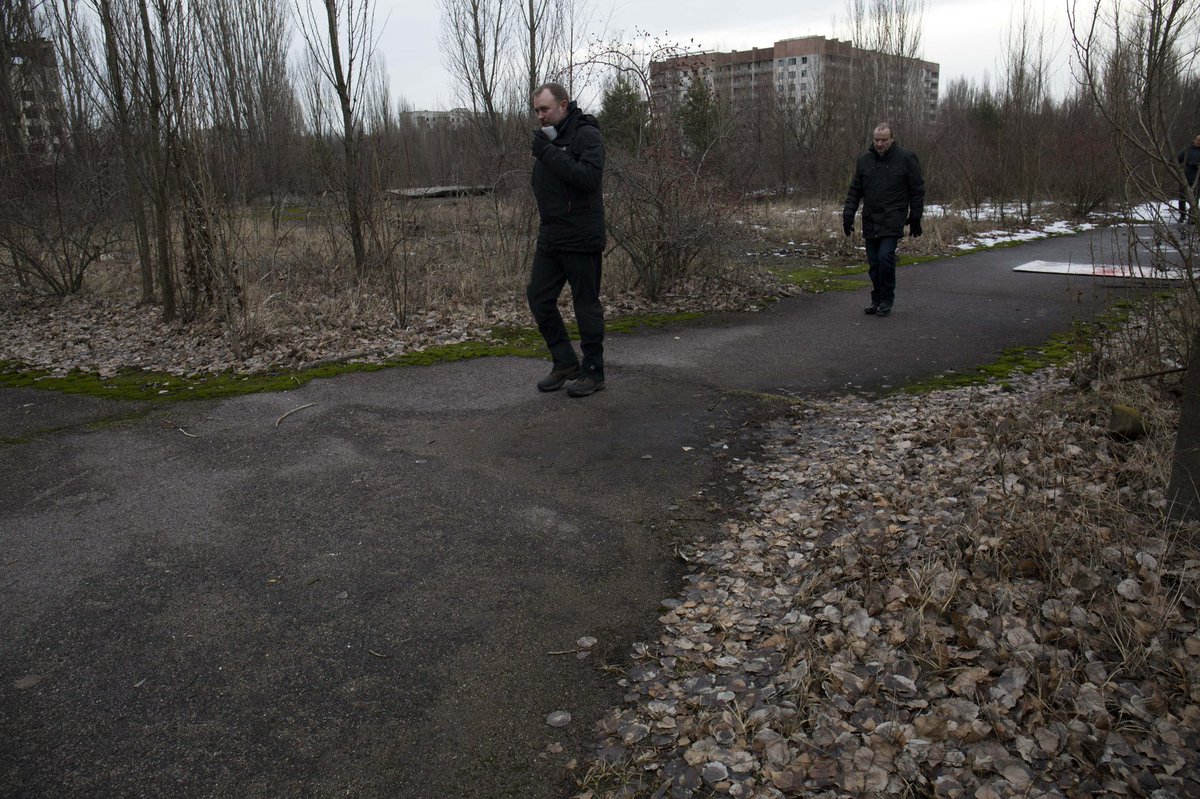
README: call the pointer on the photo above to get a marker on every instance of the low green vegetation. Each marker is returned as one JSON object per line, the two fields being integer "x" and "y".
{"x": 817, "y": 279}
{"x": 136, "y": 384}
{"x": 1059, "y": 350}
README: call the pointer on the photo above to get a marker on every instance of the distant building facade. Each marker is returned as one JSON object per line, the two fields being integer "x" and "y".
{"x": 453, "y": 119}
{"x": 796, "y": 69}
{"x": 34, "y": 78}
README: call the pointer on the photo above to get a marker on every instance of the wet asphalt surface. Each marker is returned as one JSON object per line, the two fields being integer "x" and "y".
{"x": 377, "y": 595}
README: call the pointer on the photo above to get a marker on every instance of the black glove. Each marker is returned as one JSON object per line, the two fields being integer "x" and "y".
{"x": 540, "y": 142}
{"x": 848, "y": 226}
{"x": 914, "y": 226}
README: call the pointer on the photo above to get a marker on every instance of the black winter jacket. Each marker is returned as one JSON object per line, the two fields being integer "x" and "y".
{"x": 567, "y": 181}
{"x": 1190, "y": 158}
{"x": 891, "y": 190}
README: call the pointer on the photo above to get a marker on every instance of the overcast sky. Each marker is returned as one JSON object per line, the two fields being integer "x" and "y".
{"x": 966, "y": 37}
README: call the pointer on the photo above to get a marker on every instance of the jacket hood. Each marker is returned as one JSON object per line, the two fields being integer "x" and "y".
{"x": 576, "y": 117}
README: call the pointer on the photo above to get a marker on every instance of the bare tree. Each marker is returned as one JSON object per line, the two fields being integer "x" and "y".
{"x": 667, "y": 213}
{"x": 1022, "y": 151}
{"x": 154, "y": 91}
{"x": 890, "y": 33}
{"x": 1138, "y": 63}
{"x": 57, "y": 199}
{"x": 476, "y": 35}
{"x": 121, "y": 63}
{"x": 244, "y": 46}
{"x": 537, "y": 23}
{"x": 341, "y": 49}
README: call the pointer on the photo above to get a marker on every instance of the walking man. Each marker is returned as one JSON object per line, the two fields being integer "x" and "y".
{"x": 568, "y": 165}
{"x": 1189, "y": 157}
{"x": 887, "y": 181}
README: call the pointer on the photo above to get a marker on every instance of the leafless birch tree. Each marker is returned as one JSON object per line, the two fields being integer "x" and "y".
{"x": 476, "y": 37}
{"x": 890, "y": 32}
{"x": 341, "y": 47}
{"x": 121, "y": 63}
{"x": 1026, "y": 97}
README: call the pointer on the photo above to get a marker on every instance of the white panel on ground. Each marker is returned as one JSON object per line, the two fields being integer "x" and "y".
{"x": 1100, "y": 270}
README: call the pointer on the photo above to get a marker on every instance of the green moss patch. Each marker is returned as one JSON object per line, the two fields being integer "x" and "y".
{"x": 136, "y": 384}
{"x": 817, "y": 279}
{"x": 1059, "y": 350}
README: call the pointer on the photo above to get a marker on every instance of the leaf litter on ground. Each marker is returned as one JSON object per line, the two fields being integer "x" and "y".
{"x": 969, "y": 593}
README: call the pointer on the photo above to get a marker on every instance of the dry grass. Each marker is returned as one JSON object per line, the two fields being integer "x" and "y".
{"x": 453, "y": 267}
{"x": 469, "y": 253}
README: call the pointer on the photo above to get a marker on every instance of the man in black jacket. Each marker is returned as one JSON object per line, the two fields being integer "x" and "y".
{"x": 887, "y": 181}
{"x": 568, "y": 166}
{"x": 1190, "y": 158}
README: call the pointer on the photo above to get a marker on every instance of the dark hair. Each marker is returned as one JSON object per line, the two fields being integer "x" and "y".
{"x": 556, "y": 89}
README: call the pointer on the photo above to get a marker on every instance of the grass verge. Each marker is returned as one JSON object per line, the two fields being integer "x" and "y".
{"x": 136, "y": 384}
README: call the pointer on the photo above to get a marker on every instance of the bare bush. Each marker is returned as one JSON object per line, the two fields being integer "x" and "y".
{"x": 58, "y": 220}
{"x": 667, "y": 216}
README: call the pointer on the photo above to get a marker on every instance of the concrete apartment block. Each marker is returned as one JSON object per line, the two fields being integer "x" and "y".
{"x": 794, "y": 68}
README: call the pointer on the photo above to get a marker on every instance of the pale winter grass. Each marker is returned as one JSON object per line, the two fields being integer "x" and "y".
{"x": 816, "y": 226}
{"x": 441, "y": 271}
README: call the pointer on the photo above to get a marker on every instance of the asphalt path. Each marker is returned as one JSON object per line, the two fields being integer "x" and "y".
{"x": 373, "y": 585}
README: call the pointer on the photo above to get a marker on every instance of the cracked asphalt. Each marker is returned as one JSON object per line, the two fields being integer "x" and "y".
{"x": 371, "y": 586}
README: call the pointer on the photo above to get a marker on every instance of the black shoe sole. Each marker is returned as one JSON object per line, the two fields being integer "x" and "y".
{"x": 883, "y": 312}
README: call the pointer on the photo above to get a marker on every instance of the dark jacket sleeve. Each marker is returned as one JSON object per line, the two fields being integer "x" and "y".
{"x": 853, "y": 197}
{"x": 585, "y": 172}
{"x": 916, "y": 188}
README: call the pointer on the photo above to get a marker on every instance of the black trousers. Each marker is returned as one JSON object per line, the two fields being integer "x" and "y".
{"x": 881, "y": 262}
{"x": 552, "y": 270}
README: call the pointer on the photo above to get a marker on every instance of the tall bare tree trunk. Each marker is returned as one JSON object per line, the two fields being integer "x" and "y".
{"x": 350, "y": 142}
{"x": 475, "y": 38}
{"x": 159, "y": 151}
{"x": 132, "y": 152}
{"x": 1138, "y": 66}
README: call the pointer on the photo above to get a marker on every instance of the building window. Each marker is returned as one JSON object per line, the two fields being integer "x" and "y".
{"x": 804, "y": 59}
{"x": 804, "y": 73}
{"x": 792, "y": 61}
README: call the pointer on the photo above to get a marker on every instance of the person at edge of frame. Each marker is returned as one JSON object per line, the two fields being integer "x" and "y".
{"x": 887, "y": 181}
{"x": 568, "y": 169}
{"x": 1189, "y": 157}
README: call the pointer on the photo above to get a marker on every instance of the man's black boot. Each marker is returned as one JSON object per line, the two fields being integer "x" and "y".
{"x": 584, "y": 385}
{"x": 558, "y": 378}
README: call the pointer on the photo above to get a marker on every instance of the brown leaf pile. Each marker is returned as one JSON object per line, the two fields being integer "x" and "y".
{"x": 972, "y": 593}
{"x": 106, "y": 335}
